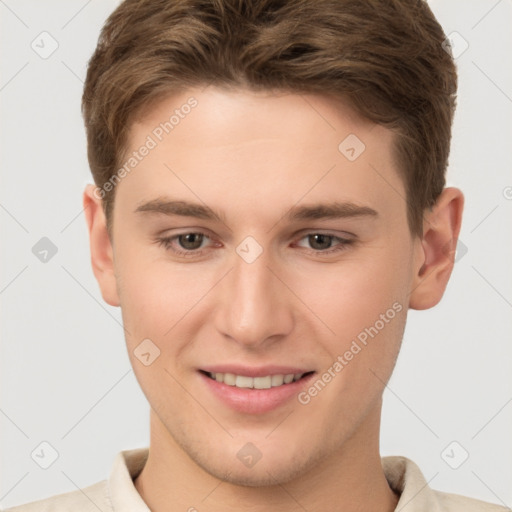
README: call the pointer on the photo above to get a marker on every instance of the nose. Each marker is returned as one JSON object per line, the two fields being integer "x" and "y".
{"x": 255, "y": 307}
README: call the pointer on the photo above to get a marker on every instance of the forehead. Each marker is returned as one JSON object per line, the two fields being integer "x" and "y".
{"x": 251, "y": 149}
{"x": 240, "y": 116}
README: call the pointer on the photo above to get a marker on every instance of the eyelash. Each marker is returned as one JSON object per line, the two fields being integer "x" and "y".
{"x": 340, "y": 247}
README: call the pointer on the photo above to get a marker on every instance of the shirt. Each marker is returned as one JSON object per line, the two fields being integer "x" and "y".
{"x": 118, "y": 493}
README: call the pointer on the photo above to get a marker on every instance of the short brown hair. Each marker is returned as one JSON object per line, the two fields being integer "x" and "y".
{"x": 384, "y": 57}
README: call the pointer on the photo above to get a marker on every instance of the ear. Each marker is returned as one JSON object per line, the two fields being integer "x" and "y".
{"x": 441, "y": 227}
{"x": 102, "y": 254}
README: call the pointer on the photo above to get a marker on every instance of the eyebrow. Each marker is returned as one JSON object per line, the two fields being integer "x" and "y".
{"x": 182, "y": 208}
{"x": 334, "y": 210}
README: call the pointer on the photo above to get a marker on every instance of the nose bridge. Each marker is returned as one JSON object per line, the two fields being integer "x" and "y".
{"x": 252, "y": 280}
{"x": 254, "y": 303}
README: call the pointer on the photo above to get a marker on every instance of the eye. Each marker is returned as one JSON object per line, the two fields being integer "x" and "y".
{"x": 184, "y": 244}
{"x": 190, "y": 241}
{"x": 322, "y": 243}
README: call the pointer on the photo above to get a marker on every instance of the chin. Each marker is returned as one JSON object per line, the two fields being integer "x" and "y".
{"x": 253, "y": 477}
{"x": 275, "y": 469}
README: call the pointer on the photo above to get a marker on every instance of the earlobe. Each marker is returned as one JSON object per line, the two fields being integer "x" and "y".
{"x": 441, "y": 229}
{"x": 102, "y": 254}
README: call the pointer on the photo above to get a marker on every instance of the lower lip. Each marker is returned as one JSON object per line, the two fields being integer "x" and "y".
{"x": 255, "y": 401}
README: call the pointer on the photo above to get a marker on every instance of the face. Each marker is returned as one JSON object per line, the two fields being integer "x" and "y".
{"x": 261, "y": 236}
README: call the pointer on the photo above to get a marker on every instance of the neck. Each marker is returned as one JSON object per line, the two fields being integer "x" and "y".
{"x": 350, "y": 479}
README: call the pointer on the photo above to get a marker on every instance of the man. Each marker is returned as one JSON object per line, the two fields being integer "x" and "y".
{"x": 270, "y": 201}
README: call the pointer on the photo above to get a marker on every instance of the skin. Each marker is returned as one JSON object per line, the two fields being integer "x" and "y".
{"x": 253, "y": 157}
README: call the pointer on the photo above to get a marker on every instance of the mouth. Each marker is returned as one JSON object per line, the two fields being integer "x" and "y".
{"x": 263, "y": 382}
{"x": 262, "y": 391}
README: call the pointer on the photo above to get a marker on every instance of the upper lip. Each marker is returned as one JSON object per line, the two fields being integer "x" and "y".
{"x": 253, "y": 371}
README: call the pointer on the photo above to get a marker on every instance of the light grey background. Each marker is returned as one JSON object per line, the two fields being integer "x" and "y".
{"x": 65, "y": 374}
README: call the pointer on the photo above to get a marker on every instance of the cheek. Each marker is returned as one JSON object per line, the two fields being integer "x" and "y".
{"x": 352, "y": 295}
{"x": 160, "y": 300}
{"x": 155, "y": 303}
{"x": 363, "y": 302}
{"x": 364, "y": 306}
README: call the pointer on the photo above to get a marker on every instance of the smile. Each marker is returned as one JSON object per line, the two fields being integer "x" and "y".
{"x": 266, "y": 382}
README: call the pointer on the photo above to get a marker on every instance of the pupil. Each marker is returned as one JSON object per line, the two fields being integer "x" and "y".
{"x": 189, "y": 241}
{"x": 322, "y": 240}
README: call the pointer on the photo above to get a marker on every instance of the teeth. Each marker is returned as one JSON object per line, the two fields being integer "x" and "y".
{"x": 262, "y": 382}
{"x": 242, "y": 381}
{"x": 229, "y": 379}
{"x": 277, "y": 380}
